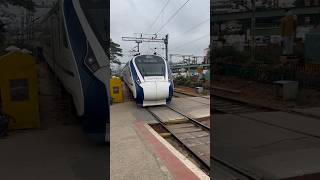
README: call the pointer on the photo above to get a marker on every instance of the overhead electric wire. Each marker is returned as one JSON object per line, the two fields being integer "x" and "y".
{"x": 162, "y": 10}
{"x": 172, "y": 16}
{"x": 196, "y": 26}
{"x": 192, "y": 28}
{"x": 195, "y": 40}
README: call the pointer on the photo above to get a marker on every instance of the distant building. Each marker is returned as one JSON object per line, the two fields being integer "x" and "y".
{"x": 272, "y": 3}
{"x": 221, "y": 6}
{"x": 285, "y": 3}
{"x": 206, "y": 58}
{"x": 308, "y": 20}
{"x": 228, "y": 6}
{"x": 311, "y": 3}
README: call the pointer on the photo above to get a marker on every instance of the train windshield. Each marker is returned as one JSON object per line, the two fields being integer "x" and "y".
{"x": 151, "y": 65}
{"x": 97, "y": 14}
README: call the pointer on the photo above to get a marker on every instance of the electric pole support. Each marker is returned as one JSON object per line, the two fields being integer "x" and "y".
{"x": 153, "y": 38}
{"x": 166, "y": 43}
{"x": 253, "y": 29}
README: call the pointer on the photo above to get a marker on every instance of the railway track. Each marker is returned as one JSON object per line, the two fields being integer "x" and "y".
{"x": 231, "y": 106}
{"x": 228, "y": 106}
{"x": 194, "y": 135}
{"x": 223, "y": 169}
{"x": 195, "y": 121}
{"x": 225, "y": 105}
{"x": 294, "y": 123}
{"x": 190, "y": 133}
{"x": 297, "y": 123}
{"x": 179, "y": 93}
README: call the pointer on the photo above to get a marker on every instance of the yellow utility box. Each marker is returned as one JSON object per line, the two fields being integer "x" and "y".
{"x": 116, "y": 92}
{"x": 19, "y": 90}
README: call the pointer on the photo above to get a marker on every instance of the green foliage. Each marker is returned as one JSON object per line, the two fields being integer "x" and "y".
{"x": 298, "y": 3}
{"x": 266, "y": 59}
{"x": 244, "y": 57}
{"x": 224, "y": 52}
{"x": 115, "y": 52}
{"x": 4, "y": 4}
{"x": 27, "y": 4}
{"x": 2, "y": 31}
{"x": 183, "y": 81}
{"x": 230, "y": 54}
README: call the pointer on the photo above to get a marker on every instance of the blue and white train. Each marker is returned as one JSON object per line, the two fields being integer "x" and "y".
{"x": 149, "y": 79}
{"x": 74, "y": 39}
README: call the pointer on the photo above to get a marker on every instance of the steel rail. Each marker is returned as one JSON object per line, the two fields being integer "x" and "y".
{"x": 204, "y": 164}
{"x": 203, "y": 126}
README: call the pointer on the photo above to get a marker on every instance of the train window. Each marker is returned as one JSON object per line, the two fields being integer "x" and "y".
{"x": 19, "y": 89}
{"x": 151, "y": 65}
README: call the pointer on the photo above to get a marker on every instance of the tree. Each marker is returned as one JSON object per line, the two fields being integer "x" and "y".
{"x": 298, "y": 3}
{"x": 2, "y": 31}
{"x": 115, "y": 52}
{"x": 27, "y": 4}
{"x": 7, "y": 16}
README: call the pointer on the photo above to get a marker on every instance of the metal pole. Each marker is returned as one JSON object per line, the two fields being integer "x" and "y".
{"x": 253, "y": 29}
{"x": 166, "y": 43}
{"x": 138, "y": 47}
{"x": 189, "y": 60}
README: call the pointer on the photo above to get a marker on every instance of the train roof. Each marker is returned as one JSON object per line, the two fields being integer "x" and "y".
{"x": 139, "y": 56}
{"x": 147, "y": 55}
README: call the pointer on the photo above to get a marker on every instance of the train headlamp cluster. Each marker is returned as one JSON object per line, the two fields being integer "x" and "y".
{"x": 92, "y": 64}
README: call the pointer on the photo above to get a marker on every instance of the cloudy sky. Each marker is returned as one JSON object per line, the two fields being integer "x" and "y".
{"x": 191, "y": 24}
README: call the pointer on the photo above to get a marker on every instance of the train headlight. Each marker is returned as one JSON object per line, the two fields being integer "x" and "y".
{"x": 92, "y": 64}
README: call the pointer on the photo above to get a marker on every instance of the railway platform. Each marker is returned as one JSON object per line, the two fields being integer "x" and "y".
{"x": 58, "y": 149}
{"x": 139, "y": 152}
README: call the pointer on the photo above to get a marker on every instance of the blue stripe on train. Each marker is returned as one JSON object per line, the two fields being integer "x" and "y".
{"x": 96, "y": 104}
{"x": 139, "y": 90}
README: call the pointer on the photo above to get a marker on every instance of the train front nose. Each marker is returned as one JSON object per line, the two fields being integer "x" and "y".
{"x": 154, "y": 91}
